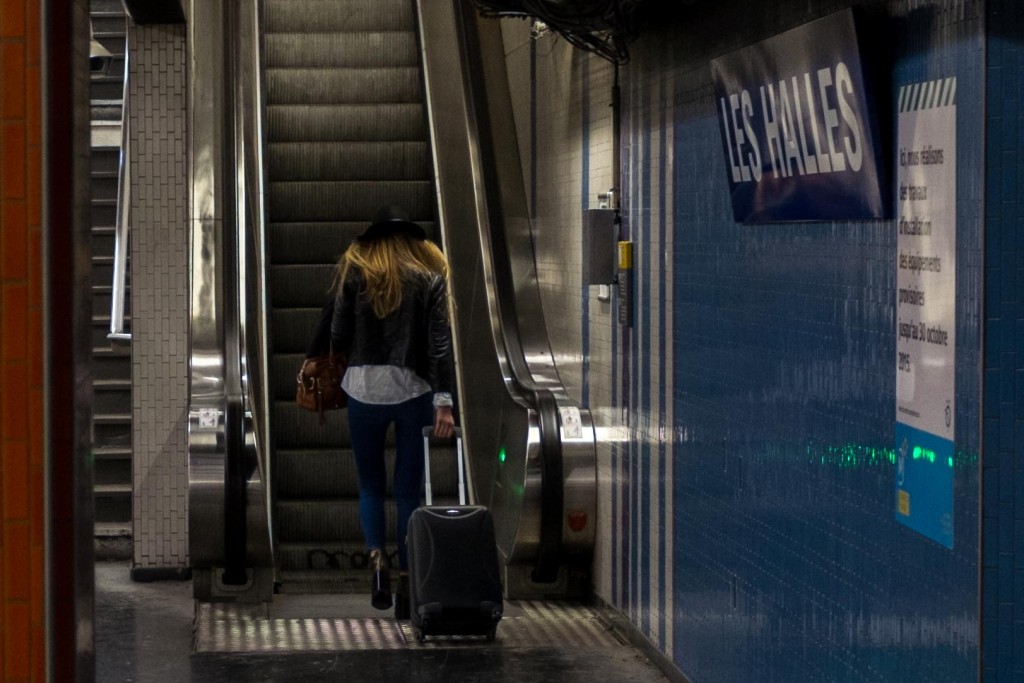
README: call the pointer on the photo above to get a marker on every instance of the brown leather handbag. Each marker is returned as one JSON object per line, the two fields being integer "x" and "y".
{"x": 319, "y": 383}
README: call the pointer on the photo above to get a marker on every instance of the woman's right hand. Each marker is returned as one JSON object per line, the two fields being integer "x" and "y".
{"x": 444, "y": 422}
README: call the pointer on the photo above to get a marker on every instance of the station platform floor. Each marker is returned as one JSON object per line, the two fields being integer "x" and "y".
{"x": 156, "y": 632}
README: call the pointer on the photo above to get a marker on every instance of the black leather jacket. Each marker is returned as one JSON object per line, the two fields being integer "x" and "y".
{"x": 416, "y": 336}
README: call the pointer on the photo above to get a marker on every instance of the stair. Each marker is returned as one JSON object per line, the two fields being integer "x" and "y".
{"x": 346, "y": 134}
{"x": 112, "y": 429}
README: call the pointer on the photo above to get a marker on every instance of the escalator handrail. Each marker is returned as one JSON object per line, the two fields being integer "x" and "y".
{"x": 246, "y": 388}
{"x": 539, "y": 395}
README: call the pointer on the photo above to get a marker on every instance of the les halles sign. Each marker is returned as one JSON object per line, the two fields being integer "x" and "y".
{"x": 798, "y": 129}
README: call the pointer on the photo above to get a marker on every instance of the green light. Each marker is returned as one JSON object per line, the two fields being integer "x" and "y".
{"x": 925, "y": 453}
{"x": 854, "y": 455}
{"x": 502, "y": 455}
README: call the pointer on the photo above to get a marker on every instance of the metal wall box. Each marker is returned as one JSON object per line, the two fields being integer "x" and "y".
{"x": 599, "y": 244}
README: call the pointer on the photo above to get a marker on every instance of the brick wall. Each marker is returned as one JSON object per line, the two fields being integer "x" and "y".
{"x": 160, "y": 291}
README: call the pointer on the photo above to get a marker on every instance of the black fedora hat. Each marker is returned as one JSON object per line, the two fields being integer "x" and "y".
{"x": 391, "y": 220}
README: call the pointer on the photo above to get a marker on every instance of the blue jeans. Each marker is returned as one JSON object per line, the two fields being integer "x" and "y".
{"x": 368, "y": 424}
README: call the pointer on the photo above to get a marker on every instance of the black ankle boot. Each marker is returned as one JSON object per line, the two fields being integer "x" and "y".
{"x": 402, "y": 607}
{"x": 380, "y": 588}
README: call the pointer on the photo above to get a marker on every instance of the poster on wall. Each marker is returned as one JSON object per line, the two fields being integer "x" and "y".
{"x": 926, "y": 307}
{"x": 799, "y": 134}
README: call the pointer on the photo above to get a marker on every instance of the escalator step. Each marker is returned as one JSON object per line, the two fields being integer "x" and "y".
{"x": 339, "y": 15}
{"x": 318, "y": 50}
{"x": 333, "y": 122}
{"x": 331, "y": 472}
{"x": 347, "y": 201}
{"x": 344, "y": 86}
{"x": 295, "y": 428}
{"x": 300, "y": 285}
{"x": 305, "y": 520}
{"x": 330, "y": 521}
{"x": 327, "y": 161}
{"x": 322, "y": 242}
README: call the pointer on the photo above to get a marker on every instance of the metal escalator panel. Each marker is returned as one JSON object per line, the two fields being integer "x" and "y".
{"x": 531, "y": 447}
{"x": 345, "y": 134}
{"x": 230, "y": 545}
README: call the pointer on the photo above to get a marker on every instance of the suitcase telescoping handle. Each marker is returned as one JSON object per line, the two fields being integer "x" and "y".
{"x": 427, "y": 431}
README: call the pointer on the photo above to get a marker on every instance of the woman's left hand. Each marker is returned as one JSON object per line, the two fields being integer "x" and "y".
{"x": 444, "y": 422}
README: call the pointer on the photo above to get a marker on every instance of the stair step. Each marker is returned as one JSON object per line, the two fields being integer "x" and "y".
{"x": 106, "y": 7}
{"x": 113, "y": 507}
{"x": 313, "y": 521}
{"x": 310, "y": 16}
{"x": 112, "y": 419}
{"x": 301, "y": 285}
{"x": 105, "y": 88}
{"x": 112, "y": 472}
{"x": 112, "y": 540}
{"x": 295, "y": 428}
{"x": 113, "y": 353}
{"x": 112, "y": 453}
{"x": 324, "y": 50}
{"x": 330, "y": 473}
{"x": 304, "y": 122}
{"x": 112, "y": 529}
{"x": 112, "y": 362}
{"x": 325, "y": 161}
{"x": 102, "y": 299}
{"x": 292, "y": 328}
{"x": 328, "y": 561}
{"x": 347, "y": 200}
{"x": 380, "y": 85}
{"x": 113, "y": 490}
{"x": 318, "y": 242}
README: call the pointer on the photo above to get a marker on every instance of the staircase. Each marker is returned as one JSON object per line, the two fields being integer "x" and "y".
{"x": 112, "y": 436}
{"x": 346, "y": 133}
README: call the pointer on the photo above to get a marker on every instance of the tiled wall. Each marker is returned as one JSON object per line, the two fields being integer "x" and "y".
{"x": 22, "y": 640}
{"x": 160, "y": 291}
{"x": 746, "y": 474}
{"x": 1003, "y": 505}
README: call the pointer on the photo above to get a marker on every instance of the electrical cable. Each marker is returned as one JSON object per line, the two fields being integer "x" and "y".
{"x": 603, "y": 27}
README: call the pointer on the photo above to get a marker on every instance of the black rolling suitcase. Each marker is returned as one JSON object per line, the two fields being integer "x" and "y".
{"x": 454, "y": 582}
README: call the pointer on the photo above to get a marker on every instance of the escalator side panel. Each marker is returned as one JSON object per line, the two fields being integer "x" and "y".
{"x": 480, "y": 186}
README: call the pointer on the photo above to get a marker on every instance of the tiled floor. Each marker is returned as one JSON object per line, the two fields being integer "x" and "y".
{"x": 144, "y": 632}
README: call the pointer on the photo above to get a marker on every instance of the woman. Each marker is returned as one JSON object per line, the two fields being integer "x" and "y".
{"x": 391, "y": 320}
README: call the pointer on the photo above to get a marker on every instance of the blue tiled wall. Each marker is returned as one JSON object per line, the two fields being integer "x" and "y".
{"x": 787, "y": 563}
{"x": 1003, "y": 504}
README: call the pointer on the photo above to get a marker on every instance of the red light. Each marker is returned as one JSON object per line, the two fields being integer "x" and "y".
{"x": 577, "y": 520}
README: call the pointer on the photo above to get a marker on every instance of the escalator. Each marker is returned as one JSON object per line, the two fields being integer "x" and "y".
{"x": 357, "y": 104}
{"x": 346, "y": 133}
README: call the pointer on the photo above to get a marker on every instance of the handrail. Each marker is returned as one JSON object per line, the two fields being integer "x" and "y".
{"x": 235, "y": 477}
{"x": 252, "y": 301}
{"x": 246, "y": 381}
{"x": 121, "y": 226}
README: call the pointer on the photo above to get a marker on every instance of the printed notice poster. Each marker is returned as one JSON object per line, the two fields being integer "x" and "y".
{"x": 926, "y": 307}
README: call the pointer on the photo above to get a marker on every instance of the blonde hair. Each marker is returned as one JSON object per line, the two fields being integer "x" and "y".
{"x": 385, "y": 263}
